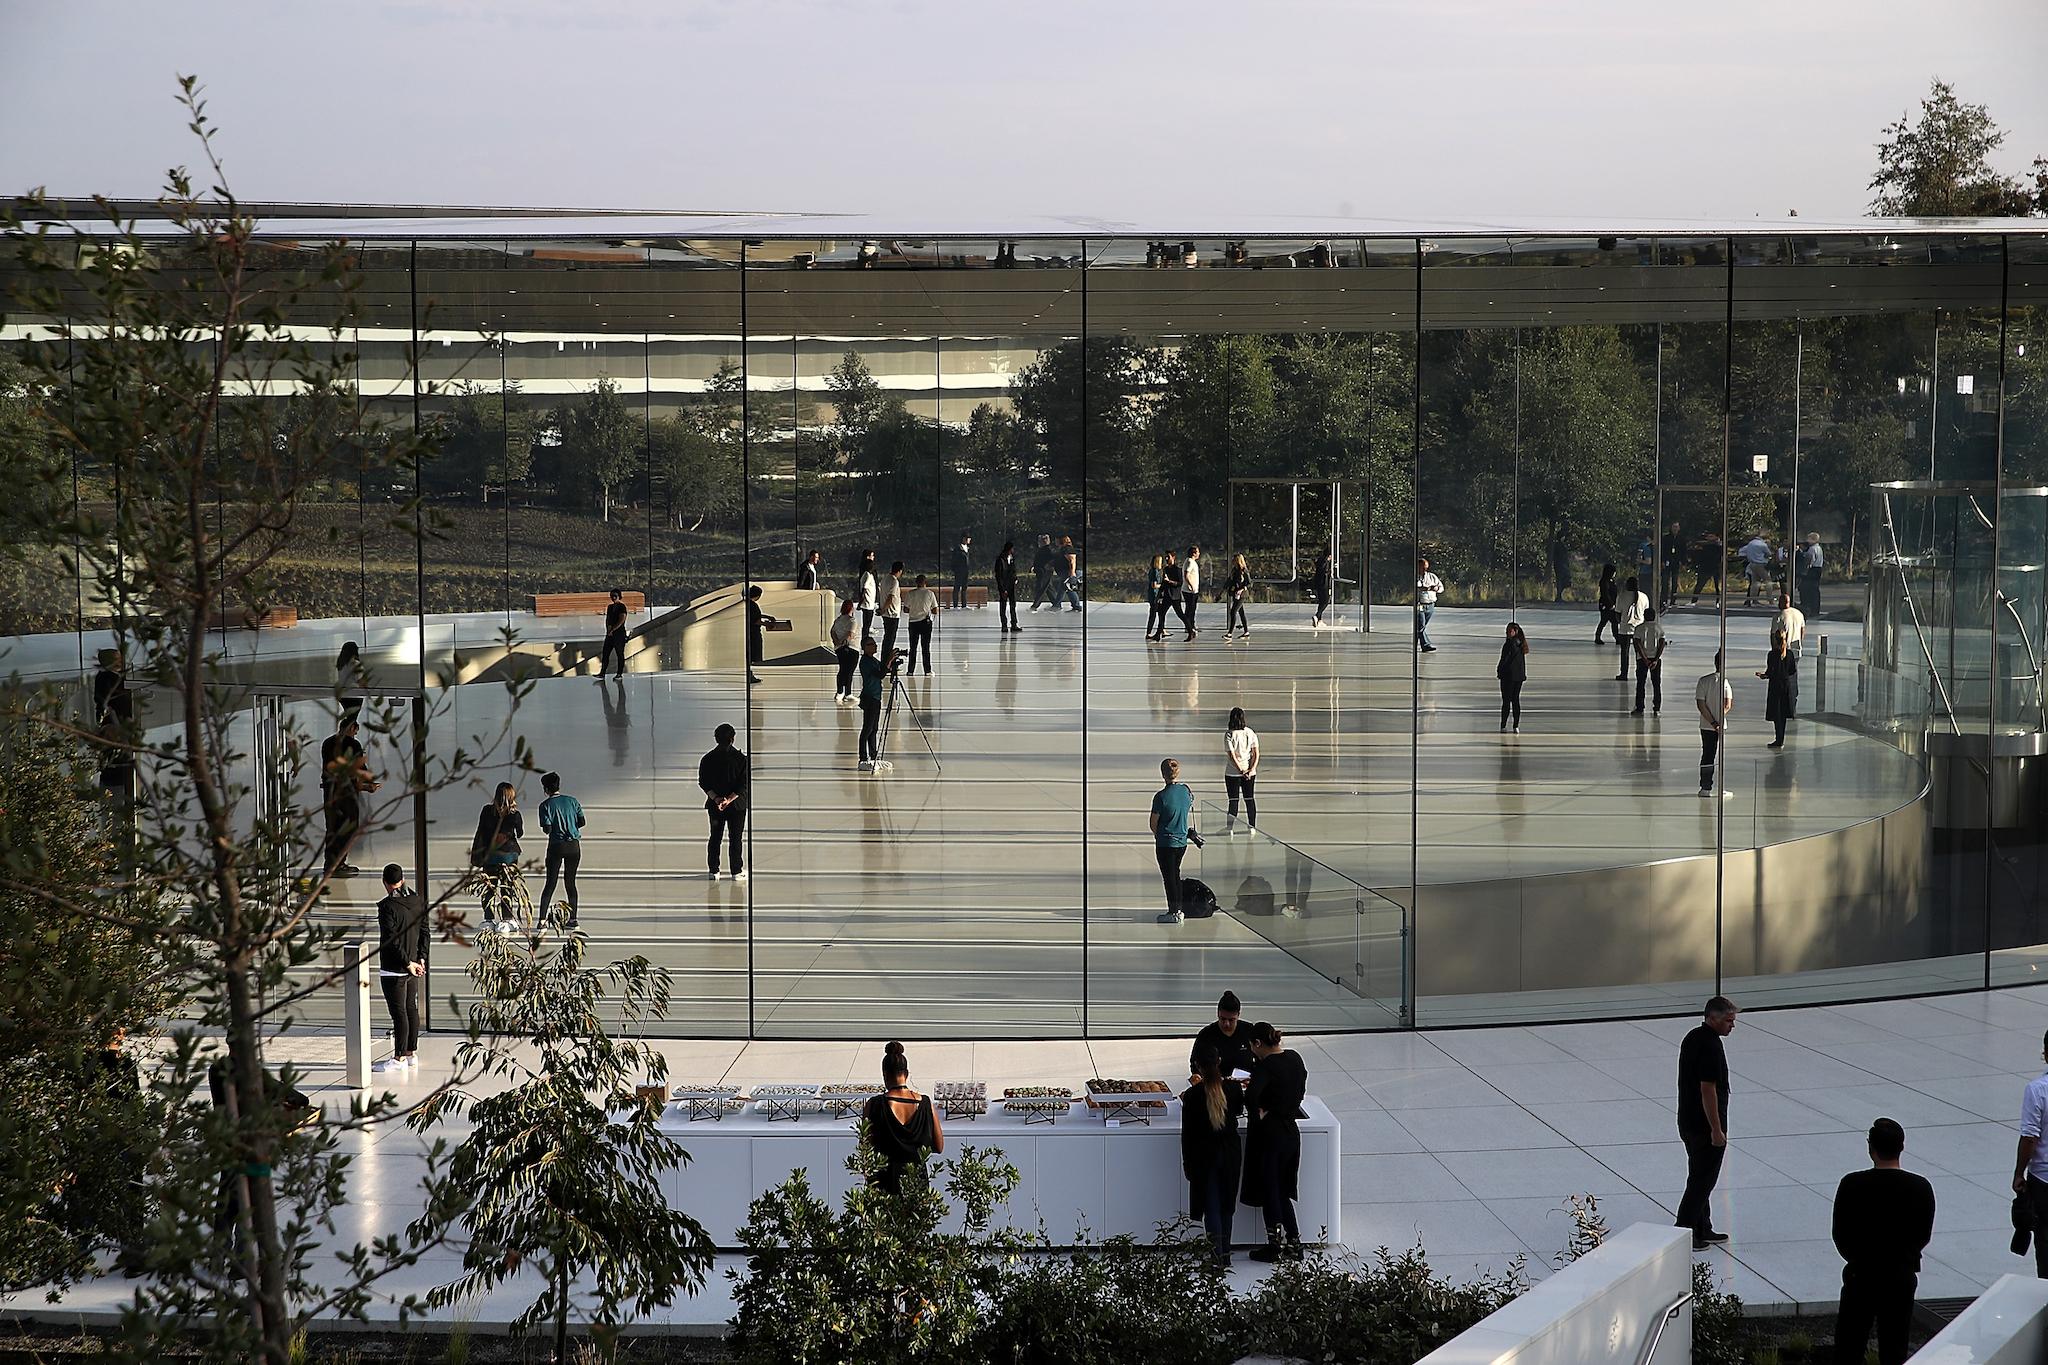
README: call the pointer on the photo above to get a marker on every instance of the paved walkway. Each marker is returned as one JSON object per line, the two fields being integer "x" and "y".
{"x": 1469, "y": 1141}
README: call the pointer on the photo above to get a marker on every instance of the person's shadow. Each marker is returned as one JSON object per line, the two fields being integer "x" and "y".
{"x": 617, "y": 721}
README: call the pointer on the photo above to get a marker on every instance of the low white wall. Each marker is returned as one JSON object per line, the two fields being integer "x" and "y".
{"x": 2007, "y": 1325}
{"x": 1600, "y": 1308}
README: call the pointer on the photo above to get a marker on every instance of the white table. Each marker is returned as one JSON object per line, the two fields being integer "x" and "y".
{"x": 1084, "y": 1180}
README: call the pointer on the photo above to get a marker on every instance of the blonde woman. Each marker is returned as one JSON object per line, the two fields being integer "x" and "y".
{"x": 1237, "y": 586}
{"x": 1155, "y": 595}
{"x": 1211, "y": 1154}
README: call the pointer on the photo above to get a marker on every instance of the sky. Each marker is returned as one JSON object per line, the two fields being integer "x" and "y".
{"x": 1128, "y": 110}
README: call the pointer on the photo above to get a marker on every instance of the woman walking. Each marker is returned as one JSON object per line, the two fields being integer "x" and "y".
{"x": 1609, "y": 591}
{"x": 1240, "y": 768}
{"x": 1781, "y": 687}
{"x": 1211, "y": 1156}
{"x": 1272, "y": 1161}
{"x": 1320, "y": 584}
{"x": 1513, "y": 671}
{"x": 1236, "y": 586}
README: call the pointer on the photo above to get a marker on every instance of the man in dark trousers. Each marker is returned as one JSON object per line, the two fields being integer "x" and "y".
{"x": 807, "y": 573}
{"x": 757, "y": 621}
{"x": 401, "y": 966}
{"x": 1006, "y": 588}
{"x": 962, "y": 567}
{"x": 1703, "y": 1118}
{"x": 1232, "y": 1040}
{"x": 1673, "y": 560}
{"x": 343, "y": 778}
{"x": 722, "y": 774}
{"x": 1883, "y": 1218}
{"x": 614, "y": 651}
{"x": 1041, "y": 564}
{"x": 2030, "y": 1174}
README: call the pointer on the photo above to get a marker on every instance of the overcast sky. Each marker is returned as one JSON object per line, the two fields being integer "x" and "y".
{"x": 1123, "y": 109}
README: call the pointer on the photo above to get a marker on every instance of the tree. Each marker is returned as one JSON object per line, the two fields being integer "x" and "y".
{"x": 857, "y": 400}
{"x": 1939, "y": 166}
{"x": 601, "y": 441}
{"x": 1214, "y": 417}
{"x": 996, "y": 458}
{"x": 485, "y": 440}
{"x": 571, "y": 1158}
{"x": 1086, "y": 404}
{"x": 698, "y": 476}
{"x": 1837, "y": 470}
{"x": 897, "y": 465}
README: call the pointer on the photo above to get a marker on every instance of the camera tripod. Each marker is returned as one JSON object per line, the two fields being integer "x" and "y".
{"x": 896, "y": 689}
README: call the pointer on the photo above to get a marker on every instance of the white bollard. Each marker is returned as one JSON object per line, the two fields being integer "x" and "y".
{"x": 355, "y": 998}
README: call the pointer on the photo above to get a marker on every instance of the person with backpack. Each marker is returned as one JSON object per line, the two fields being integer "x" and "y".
{"x": 1172, "y": 804}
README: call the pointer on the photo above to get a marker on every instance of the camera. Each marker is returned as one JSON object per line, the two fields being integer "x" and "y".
{"x": 894, "y": 661}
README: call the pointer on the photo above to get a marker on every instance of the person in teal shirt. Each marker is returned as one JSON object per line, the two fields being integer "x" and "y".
{"x": 871, "y": 675}
{"x": 561, "y": 819}
{"x": 1171, "y": 805}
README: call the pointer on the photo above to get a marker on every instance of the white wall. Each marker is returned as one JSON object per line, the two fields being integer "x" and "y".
{"x": 2007, "y": 1325}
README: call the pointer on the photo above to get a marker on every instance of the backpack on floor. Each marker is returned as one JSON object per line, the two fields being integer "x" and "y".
{"x": 1197, "y": 901}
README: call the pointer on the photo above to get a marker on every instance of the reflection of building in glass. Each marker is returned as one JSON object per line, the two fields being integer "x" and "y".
{"x": 667, "y": 405}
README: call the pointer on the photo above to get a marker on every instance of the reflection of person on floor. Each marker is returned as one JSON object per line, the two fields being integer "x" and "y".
{"x": 614, "y": 649}
{"x": 1272, "y": 1165}
{"x": 1301, "y": 884}
{"x": 872, "y": 675}
{"x": 1211, "y": 1156}
{"x": 1512, "y": 671}
{"x": 1712, "y": 721}
{"x": 1041, "y": 565}
{"x": 1884, "y": 1218}
{"x": 616, "y": 722}
{"x": 920, "y": 608}
{"x": 561, "y": 819}
{"x": 1650, "y": 644}
{"x": 1227, "y": 1037}
{"x": 1427, "y": 587}
{"x": 1781, "y": 688}
{"x": 2030, "y": 1171}
{"x": 1171, "y": 806}
{"x": 757, "y": 621}
{"x": 1241, "y": 768}
{"x": 722, "y": 773}
{"x": 1703, "y": 1118}
{"x": 1631, "y": 609}
{"x": 902, "y": 1125}
{"x": 1320, "y": 585}
{"x": 402, "y": 965}
{"x": 844, "y": 653}
{"x": 1006, "y": 587}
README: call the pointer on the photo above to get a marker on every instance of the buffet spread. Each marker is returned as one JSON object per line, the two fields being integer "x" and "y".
{"x": 1112, "y": 1101}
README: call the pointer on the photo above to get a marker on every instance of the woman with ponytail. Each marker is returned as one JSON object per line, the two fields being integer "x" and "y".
{"x": 1210, "y": 1154}
{"x": 901, "y": 1124}
{"x": 1272, "y": 1165}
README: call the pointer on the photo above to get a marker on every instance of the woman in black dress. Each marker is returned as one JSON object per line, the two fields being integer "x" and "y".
{"x": 901, "y": 1124}
{"x": 1781, "y": 695}
{"x": 1210, "y": 1153}
{"x": 1513, "y": 671}
{"x": 1272, "y": 1159}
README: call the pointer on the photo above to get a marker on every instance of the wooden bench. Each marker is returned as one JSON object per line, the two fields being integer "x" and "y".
{"x": 977, "y": 597}
{"x": 583, "y": 603}
{"x": 245, "y": 618}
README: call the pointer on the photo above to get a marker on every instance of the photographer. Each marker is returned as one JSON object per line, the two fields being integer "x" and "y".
{"x": 872, "y": 676}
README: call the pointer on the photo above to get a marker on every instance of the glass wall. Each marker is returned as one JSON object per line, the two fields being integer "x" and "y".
{"x": 1852, "y": 423}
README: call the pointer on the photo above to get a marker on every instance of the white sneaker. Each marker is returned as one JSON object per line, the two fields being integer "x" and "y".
{"x": 1171, "y": 917}
{"x": 412, "y": 1063}
{"x": 718, "y": 876}
{"x": 388, "y": 1064}
{"x": 739, "y": 876}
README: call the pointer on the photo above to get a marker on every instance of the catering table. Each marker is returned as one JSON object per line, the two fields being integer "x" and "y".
{"x": 1084, "y": 1179}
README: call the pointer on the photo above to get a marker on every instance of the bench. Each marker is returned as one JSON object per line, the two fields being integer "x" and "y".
{"x": 977, "y": 597}
{"x": 246, "y": 618}
{"x": 583, "y": 603}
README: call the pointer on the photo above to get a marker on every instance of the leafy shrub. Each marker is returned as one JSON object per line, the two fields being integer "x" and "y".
{"x": 1114, "y": 1303}
{"x": 1718, "y": 1334}
{"x": 1387, "y": 1309}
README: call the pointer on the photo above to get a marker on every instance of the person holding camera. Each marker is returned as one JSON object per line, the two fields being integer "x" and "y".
{"x": 872, "y": 676}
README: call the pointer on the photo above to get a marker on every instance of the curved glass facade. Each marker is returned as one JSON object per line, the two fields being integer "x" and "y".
{"x": 676, "y": 417}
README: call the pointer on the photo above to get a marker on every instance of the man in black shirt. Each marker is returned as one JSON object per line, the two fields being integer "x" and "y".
{"x": 962, "y": 567}
{"x": 1041, "y": 564}
{"x": 1883, "y": 1219}
{"x": 614, "y": 650}
{"x": 401, "y": 966}
{"x": 722, "y": 774}
{"x": 757, "y": 621}
{"x": 807, "y": 573}
{"x": 1232, "y": 1043}
{"x": 1703, "y": 1118}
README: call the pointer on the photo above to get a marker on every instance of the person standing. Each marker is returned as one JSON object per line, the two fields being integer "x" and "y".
{"x": 344, "y": 777}
{"x": 1631, "y": 608}
{"x": 1005, "y": 573}
{"x": 561, "y": 819}
{"x": 807, "y": 573}
{"x": 1211, "y": 1156}
{"x": 1427, "y": 587}
{"x": 1610, "y": 590}
{"x": 1273, "y": 1099}
{"x": 1513, "y": 671}
{"x": 757, "y": 621}
{"x": 494, "y": 849}
{"x": 844, "y": 653}
{"x": 1169, "y": 590}
{"x": 892, "y": 609}
{"x": 1320, "y": 583}
{"x": 1041, "y": 565}
{"x": 1067, "y": 568}
{"x": 1155, "y": 600}
{"x": 113, "y": 710}
{"x": 1756, "y": 568}
{"x": 1241, "y": 768}
{"x": 1171, "y": 806}
{"x": 1808, "y": 565}
{"x": 865, "y": 580}
{"x": 920, "y": 608}
{"x": 613, "y": 651}
{"x": 1790, "y": 622}
{"x": 1708, "y": 561}
{"x": 1231, "y": 1040}
{"x": 1884, "y": 1218}
{"x": 402, "y": 966}
{"x": 1703, "y": 1117}
{"x": 2030, "y": 1171}
{"x": 1781, "y": 689}
{"x": 871, "y": 676}
{"x": 1713, "y": 720}
{"x": 1650, "y": 643}
{"x": 1673, "y": 560}
{"x": 722, "y": 774}
{"x": 1236, "y": 587}
{"x": 962, "y": 567}
{"x": 1191, "y": 589}
{"x": 901, "y": 1124}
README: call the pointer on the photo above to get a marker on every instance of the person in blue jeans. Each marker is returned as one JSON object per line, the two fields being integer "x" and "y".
{"x": 1171, "y": 805}
{"x": 1427, "y": 586}
{"x": 561, "y": 819}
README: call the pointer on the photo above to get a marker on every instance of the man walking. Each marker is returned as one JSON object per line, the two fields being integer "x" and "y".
{"x": 1756, "y": 568}
{"x": 561, "y": 819}
{"x": 2030, "y": 1174}
{"x": 1650, "y": 644}
{"x": 1883, "y": 1219}
{"x": 1171, "y": 805}
{"x": 1041, "y": 564}
{"x": 1703, "y": 1118}
{"x": 1713, "y": 719}
{"x": 1808, "y": 564}
{"x": 722, "y": 774}
{"x": 920, "y": 607}
{"x": 614, "y": 650}
{"x": 961, "y": 568}
{"x": 1427, "y": 586}
{"x": 401, "y": 967}
{"x": 1191, "y": 589}
{"x": 1631, "y": 609}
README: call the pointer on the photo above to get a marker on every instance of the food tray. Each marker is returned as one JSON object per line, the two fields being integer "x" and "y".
{"x": 1038, "y": 1092}
{"x": 1128, "y": 1101}
{"x": 842, "y": 1099}
{"x": 961, "y": 1099}
{"x": 1038, "y": 1108}
{"x": 786, "y": 1100}
{"x": 780, "y": 1089}
{"x": 696, "y": 1105}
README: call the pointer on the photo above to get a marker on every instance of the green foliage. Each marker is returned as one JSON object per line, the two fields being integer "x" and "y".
{"x": 857, "y": 400}
{"x": 696, "y": 476}
{"x": 1718, "y": 1334}
{"x": 1384, "y": 1310}
{"x": 876, "y": 1282}
{"x": 484, "y": 440}
{"x": 1087, "y": 406}
{"x": 1114, "y": 1303}
{"x": 1940, "y": 165}
{"x": 566, "y": 1161}
{"x": 600, "y": 442}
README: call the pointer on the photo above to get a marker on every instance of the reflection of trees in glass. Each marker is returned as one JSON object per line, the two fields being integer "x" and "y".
{"x": 485, "y": 439}
{"x": 696, "y": 475}
{"x": 1119, "y": 377}
{"x": 600, "y": 443}
{"x": 996, "y": 457}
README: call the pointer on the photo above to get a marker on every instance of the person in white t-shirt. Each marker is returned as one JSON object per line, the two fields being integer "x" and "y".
{"x": 1790, "y": 622}
{"x": 1650, "y": 644}
{"x": 892, "y": 610}
{"x": 920, "y": 605}
{"x": 1756, "y": 568}
{"x": 2030, "y": 1172}
{"x": 1630, "y": 610}
{"x": 1713, "y": 719}
{"x": 1191, "y": 590}
{"x": 844, "y": 653}
{"x": 1807, "y": 565}
{"x": 1240, "y": 768}
{"x": 1427, "y": 588}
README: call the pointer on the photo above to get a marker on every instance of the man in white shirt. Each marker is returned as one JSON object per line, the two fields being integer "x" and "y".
{"x": 1807, "y": 563}
{"x": 920, "y": 605}
{"x": 1427, "y": 586}
{"x": 892, "y": 610}
{"x": 2030, "y": 1172}
{"x": 1631, "y": 608}
{"x": 1191, "y": 589}
{"x": 1650, "y": 661}
{"x": 1790, "y": 622}
{"x": 1756, "y": 568}
{"x": 1712, "y": 719}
